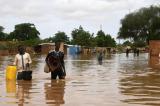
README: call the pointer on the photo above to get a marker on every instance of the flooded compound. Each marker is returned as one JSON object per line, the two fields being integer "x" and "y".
{"x": 118, "y": 81}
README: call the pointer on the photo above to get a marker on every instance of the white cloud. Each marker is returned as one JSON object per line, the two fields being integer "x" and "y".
{"x": 53, "y": 15}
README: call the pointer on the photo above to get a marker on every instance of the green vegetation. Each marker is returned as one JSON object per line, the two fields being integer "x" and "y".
{"x": 84, "y": 38}
{"x": 59, "y": 37}
{"x": 12, "y": 45}
{"x": 81, "y": 37}
{"x": 104, "y": 40}
{"x": 24, "y": 31}
{"x": 27, "y": 34}
{"x": 2, "y": 34}
{"x": 127, "y": 43}
{"x": 31, "y": 42}
{"x": 3, "y": 47}
{"x": 141, "y": 26}
{"x": 24, "y": 34}
{"x": 134, "y": 44}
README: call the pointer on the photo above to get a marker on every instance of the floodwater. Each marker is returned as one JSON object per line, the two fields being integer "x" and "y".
{"x": 119, "y": 81}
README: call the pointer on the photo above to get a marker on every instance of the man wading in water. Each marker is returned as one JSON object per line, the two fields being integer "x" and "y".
{"x": 55, "y": 63}
{"x": 22, "y": 61}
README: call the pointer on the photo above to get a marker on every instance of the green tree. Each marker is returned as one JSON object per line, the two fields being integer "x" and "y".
{"x": 103, "y": 40}
{"x": 24, "y": 31}
{"x": 1, "y": 29}
{"x": 76, "y": 32}
{"x": 50, "y": 39}
{"x": 60, "y": 37}
{"x": 127, "y": 43}
{"x": 142, "y": 25}
{"x": 100, "y": 39}
{"x": 82, "y": 37}
{"x": 2, "y": 34}
{"x": 110, "y": 42}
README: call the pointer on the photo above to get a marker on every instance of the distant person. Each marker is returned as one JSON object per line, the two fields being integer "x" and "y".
{"x": 22, "y": 61}
{"x": 55, "y": 63}
{"x": 127, "y": 52}
{"x": 137, "y": 52}
{"x": 100, "y": 57}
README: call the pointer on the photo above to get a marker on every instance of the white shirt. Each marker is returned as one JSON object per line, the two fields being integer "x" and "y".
{"x": 18, "y": 61}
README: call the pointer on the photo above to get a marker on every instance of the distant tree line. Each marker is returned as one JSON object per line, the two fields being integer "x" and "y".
{"x": 22, "y": 32}
{"x": 84, "y": 38}
{"x": 28, "y": 33}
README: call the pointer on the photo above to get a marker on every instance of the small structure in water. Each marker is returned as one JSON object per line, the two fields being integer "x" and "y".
{"x": 73, "y": 49}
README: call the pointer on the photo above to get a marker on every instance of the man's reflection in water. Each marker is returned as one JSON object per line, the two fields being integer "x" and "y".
{"x": 55, "y": 92}
{"x": 23, "y": 91}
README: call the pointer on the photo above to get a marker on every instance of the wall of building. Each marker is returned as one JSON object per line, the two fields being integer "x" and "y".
{"x": 154, "y": 48}
{"x": 154, "y": 54}
{"x": 4, "y": 52}
{"x": 44, "y": 48}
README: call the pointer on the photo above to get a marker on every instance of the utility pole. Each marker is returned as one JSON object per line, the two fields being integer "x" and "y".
{"x": 119, "y": 40}
{"x": 101, "y": 27}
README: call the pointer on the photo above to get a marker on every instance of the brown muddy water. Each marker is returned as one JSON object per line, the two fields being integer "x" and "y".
{"x": 119, "y": 81}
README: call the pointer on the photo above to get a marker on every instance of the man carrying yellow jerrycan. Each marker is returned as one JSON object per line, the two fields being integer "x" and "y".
{"x": 20, "y": 65}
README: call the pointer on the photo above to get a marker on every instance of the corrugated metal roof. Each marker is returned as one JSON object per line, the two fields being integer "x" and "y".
{"x": 47, "y": 44}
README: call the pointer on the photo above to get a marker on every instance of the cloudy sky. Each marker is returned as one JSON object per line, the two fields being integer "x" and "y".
{"x": 50, "y": 16}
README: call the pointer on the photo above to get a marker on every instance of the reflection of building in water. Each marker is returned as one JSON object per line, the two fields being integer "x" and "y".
{"x": 154, "y": 62}
{"x": 142, "y": 89}
{"x": 55, "y": 92}
{"x": 154, "y": 53}
{"x": 23, "y": 91}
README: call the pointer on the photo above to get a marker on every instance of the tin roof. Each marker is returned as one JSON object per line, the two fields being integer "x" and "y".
{"x": 47, "y": 44}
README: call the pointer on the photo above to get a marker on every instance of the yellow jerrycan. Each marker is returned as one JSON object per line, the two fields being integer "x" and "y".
{"x": 11, "y": 72}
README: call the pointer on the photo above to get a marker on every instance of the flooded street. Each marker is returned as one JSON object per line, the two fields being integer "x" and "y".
{"x": 119, "y": 81}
